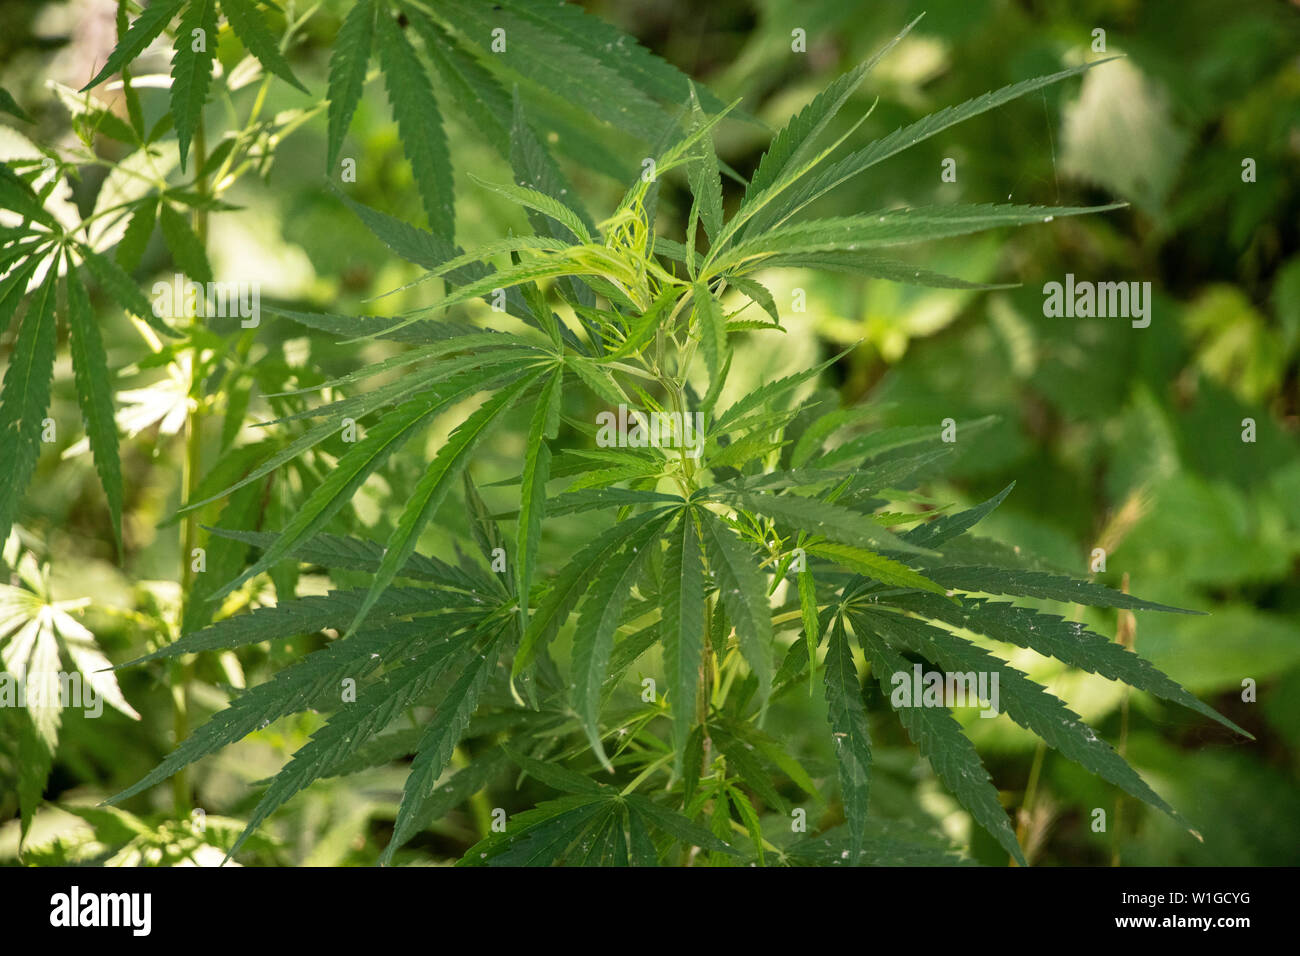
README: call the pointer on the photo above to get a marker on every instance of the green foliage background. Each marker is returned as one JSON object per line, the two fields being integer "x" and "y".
{"x": 1118, "y": 438}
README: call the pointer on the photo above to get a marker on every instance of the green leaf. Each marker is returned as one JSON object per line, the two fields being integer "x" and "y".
{"x": 552, "y": 774}
{"x": 540, "y": 202}
{"x": 347, "y": 73}
{"x": 123, "y": 290}
{"x": 416, "y": 110}
{"x": 474, "y": 90}
{"x": 759, "y": 293}
{"x": 293, "y": 689}
{"x": 873, "y": 267}
{"x": 676, "y": 825}
{"x": 429, "y": 493}
{"x": 941, "y": 741}
{"x": 712, "y": 328}
{"x": 1068, "y": 641}
{"x": 9, "y": 105}
{"x": 743, "y": 594}
{"x": 35, "y": 760}
{"x": 567, "y": 588}
{"x": 934, "y": 533}
{"x": 793, "y": 145}
{"x": 541, "y": 836}
{"x": 850, "y": 732}
{"x": 532, "y": 489}
{"x": 440, "y": 738}
{"x": 562, "y": 63}
{"x": 1042, "y": 584}
{"x": 705, "y": 180}
{"x": 823, "y": 518}
{"x": 351, "y": 472}
{"x": 144, "y": 29}
{"x": 192, "y": 75}
{"x": 1021, "y": 699}
{"x": 186, "y": 248}
{"x": 138, "y": 232}
{"x": 908, "y": 136}
{"x": 890, "y": 227}
{"x": 683, "y": 627}
{"x": 811, "y": 626}
{"x": 875, "y": 566}
{"x": 376, "y": 706}
{"x": 247, "y": 23}
{"x": 593, "y": 639}
{"x": 25, "y": 398}
{"x": 17, "y": 196}
{"x": 95, "y": 396}
{"x": 354, "y": 554}
{"x": 764, "y": 397}
{"x": 304, "y": 615}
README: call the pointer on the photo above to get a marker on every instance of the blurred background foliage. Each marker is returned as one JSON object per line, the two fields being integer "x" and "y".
{"x": 1118, "y": 438}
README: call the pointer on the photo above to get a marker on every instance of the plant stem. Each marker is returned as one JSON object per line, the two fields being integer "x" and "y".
{"x": 182, "y": 672}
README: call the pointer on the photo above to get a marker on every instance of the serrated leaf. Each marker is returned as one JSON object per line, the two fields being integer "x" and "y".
{"x": 875, "y": 566}
{"x": 851, "y": 733}
{"x": 355, "y": 554}
{"x": 1042, "y": 584}
{"x": 794, "y": 143}
{"x": 743, "y": 594}
{"x": 432, "y": 488}
{"x": 552, "y": 774}
{"x": 823, "y": 518}
{"x": 17, "y": 196}
{"x": 593, "y": 639}
{"x": 123, "y": 290}
{"x": 303, "y": 615}
{"x": 9, "y": 105}
{"x": 532, "y": 488}
{"x": 374, "y": 709}
{"x": 1021, "y": 699}
{"x": 441, "y": 736}
{"x": 25, "y": 398}
{"x": 1068, "y": 641}
{"x": 347, "y": 73}
{"x": 352, "y": 470}
{"x": 418, "y": 119}
{"x": 194, "y": 51}
{"x": 138, "y": 232}
{"x": 540, "y": 202}
{"x": 474, "y": 90}
{"x": 683, "y": 627}
{"x": 890, "y": 228}
{"x": 247, "y": 23}
{"x": 186, "y": 248}
{"x": 95, "y": 396}
{"x": 906, "y": 137}
{"x": 293, "y": 689}
{"x": 144, "y": 29}
{"x": 808, "y": 615}
{"x": 941, "y": 741}
{"x": 934, "y": 533}
{"x": 710, "y": 324}
{"x": 676, "y": 825}
{"x": 566, "y": 589}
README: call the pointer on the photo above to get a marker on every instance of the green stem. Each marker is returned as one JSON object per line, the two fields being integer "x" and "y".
{"x": 183, "y": 672}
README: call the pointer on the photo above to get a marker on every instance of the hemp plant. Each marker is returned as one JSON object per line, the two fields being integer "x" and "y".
{"x": 736, "y": 553}
{"x": 760, "y": 556}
